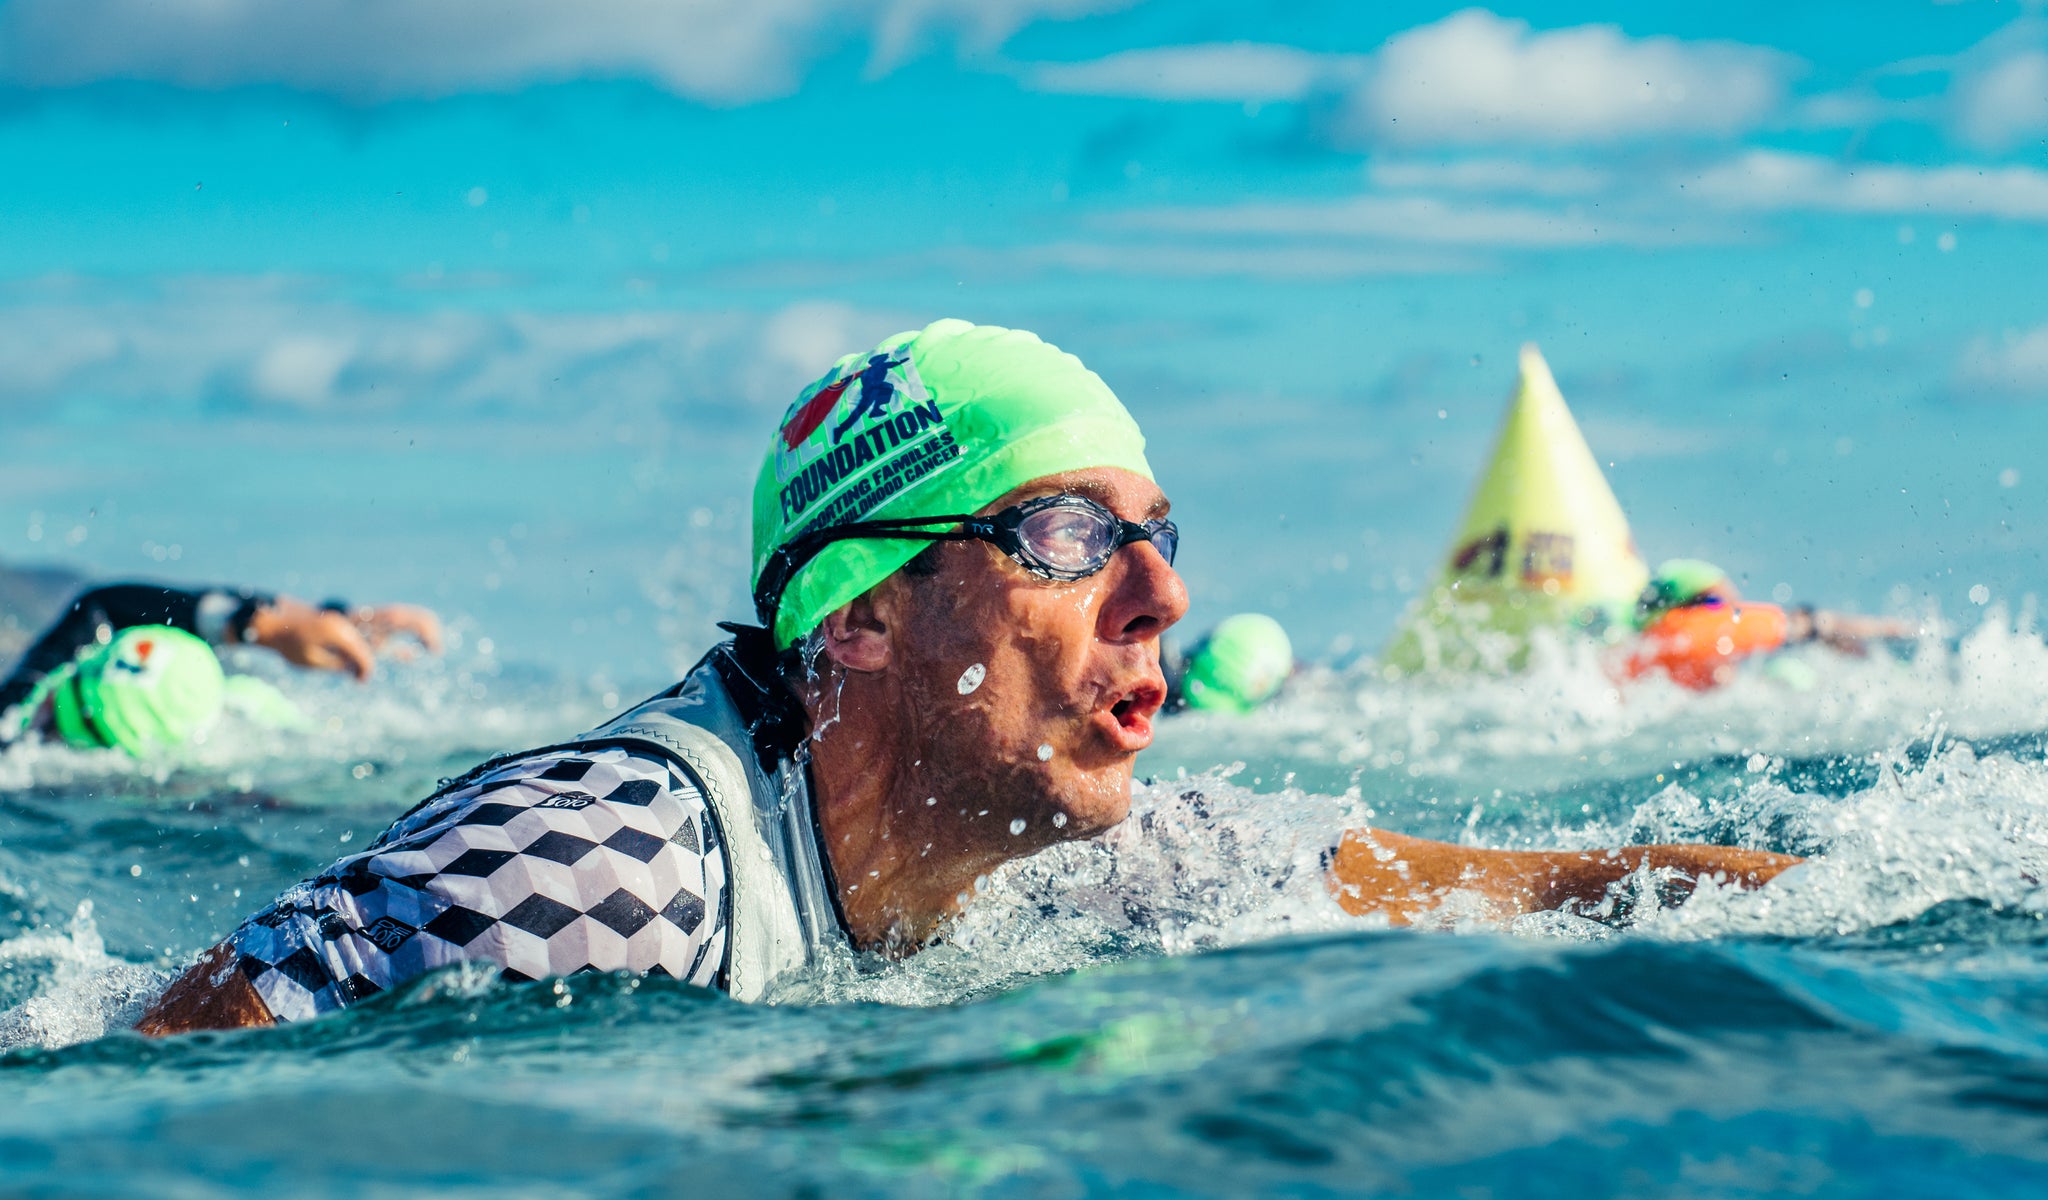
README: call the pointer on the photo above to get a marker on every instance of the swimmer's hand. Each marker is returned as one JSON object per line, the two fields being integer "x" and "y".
{"x": 388, "y": 621}
{"x": 325, "y": 640}
{"x": 1374, "y": 871}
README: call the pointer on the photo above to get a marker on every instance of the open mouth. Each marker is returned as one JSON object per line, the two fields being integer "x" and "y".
{"x": 1133, "y": 712}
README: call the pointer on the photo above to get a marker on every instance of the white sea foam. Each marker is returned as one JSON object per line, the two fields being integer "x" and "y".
{"x": 1565, "y": 719}
{"x": 81, "y": 991}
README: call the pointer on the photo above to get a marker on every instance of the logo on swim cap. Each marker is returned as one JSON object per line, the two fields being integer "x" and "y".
{"x": 133, "y": 657}
{"x": 866, "y": 433}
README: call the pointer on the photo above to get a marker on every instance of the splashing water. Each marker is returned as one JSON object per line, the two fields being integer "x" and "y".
{"x": 1176, "y": 1005}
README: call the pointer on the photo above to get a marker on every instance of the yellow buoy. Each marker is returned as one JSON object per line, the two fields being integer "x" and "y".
{"x": 1543, "y": 545}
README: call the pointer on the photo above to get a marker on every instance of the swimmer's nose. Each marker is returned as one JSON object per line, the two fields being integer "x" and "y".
{"x": 1147, "y": 598}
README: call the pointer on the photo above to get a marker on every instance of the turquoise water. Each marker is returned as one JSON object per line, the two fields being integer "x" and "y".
{"x": 1175, "y": 1009}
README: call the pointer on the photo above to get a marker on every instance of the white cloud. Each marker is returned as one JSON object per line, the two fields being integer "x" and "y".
{"x": 1499, "y": 175}
{"x": 301, "y": 368}
{"x": 1411, "y": 219}
{"x": 1242, "y": 72}
{"x": 1185, "y": 261}
{"x": 1625, "y": 438}
{"x": 254, "y": 343}
{"x": 903, "y": 26}
{"x": 798, "y": 342}
{"x": 1475, "y": 78}
{"x": 2014, "y": 363}
{"x": 1770, "y": 179}
{"x": 1471, "y": 78}
{"x": 723, "y": 51}
{"x": 2003, "y": 102}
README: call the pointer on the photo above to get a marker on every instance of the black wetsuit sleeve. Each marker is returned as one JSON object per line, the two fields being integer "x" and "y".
{"x": 216, "y": 614}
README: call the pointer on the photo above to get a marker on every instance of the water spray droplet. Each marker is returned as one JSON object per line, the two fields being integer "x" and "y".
{"x": 971, "y": 678}
{"x": 1016, "y": 827}
{"x": 1059, "y": 820}
{"x": 1045, "y": 752}
{"x": 931, "y": 801}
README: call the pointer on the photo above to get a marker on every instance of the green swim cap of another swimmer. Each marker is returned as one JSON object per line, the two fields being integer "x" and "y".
{"x": 1239, "y": 666}
{"x": 944, "y": 420}
{"x": 1675, "y": 584}
{"x": 149, "y": 689}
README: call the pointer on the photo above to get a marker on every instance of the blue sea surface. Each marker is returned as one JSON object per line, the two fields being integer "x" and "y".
{"x": 1177, "y": 1008}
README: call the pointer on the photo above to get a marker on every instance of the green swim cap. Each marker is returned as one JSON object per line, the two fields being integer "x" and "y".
{"x": 1675, "y": 584}
{"x": 149, "y": 689}
{"x": 944, "y": 420}
{"x": 1239, "y": 666}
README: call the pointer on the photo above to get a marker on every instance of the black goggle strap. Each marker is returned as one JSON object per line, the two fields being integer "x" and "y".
{"x": 796, "y": 554}
{"x": 1133, "y": 533}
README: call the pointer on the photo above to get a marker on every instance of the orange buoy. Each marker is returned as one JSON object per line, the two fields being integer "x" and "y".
{"x": 1698, "y": 645}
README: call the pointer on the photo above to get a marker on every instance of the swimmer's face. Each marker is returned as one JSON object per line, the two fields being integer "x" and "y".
{"x": 1032, "y": 697}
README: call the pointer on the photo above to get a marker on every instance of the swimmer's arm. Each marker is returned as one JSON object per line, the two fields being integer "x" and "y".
{"x": 1374, "y": 871}
{"x": 328, "y": 639}
{"x": 1850, "y": 632}
{"x": 213, "y": 994}
{"x": 118, "y": 606}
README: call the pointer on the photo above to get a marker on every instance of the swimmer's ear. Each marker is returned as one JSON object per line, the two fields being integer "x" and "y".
{"x": 857, "y": 637}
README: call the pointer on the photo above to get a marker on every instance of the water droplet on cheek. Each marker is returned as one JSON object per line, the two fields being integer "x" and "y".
{"x": 1045, "y": 752}
{"x": 1016, "y": 827}
{"x": 930, "y": 801}
{"x": 971, "y": 678}
{"x": 1059, "y": 820}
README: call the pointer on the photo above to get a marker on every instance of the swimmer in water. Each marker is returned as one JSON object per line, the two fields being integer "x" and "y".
{"x": 1238, "y": 668}
{"x": 961, "y": 597}
{"x": 132, "y": 665}
{"x": 1696, "y": 628}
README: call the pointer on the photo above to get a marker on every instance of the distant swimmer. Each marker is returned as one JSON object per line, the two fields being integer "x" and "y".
{"x": 957, "y": 666}
{"x": 132, "y": 666}
{"x": 1238, "y": 668}
{"x": 1696, "y": 628}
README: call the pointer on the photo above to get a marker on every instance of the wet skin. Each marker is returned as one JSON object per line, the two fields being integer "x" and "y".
{"x": 1069, "y": 684}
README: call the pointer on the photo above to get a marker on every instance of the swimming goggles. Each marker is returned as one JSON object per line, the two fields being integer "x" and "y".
{"x": 1054, "y": 537}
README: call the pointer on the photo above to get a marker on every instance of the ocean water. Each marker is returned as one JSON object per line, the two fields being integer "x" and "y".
{"x": 1175, "y": 1008}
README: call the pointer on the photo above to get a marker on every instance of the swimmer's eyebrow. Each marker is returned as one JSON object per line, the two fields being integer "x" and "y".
{"x": 1103, "y": 496}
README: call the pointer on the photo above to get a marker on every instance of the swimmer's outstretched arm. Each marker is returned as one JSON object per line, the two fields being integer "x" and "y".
{"x": 1847, "y": 633}
{"x": 213, "y": 994}
{"x": 1375, "y": 871}
{"x": 328, "y": 639}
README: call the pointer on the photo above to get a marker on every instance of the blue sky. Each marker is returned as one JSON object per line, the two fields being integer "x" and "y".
{"x": 493, "y": 302}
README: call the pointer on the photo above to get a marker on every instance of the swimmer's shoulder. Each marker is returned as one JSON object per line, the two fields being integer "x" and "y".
{"x": 541, "y": 865}
{"x": 616, "y": 788}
